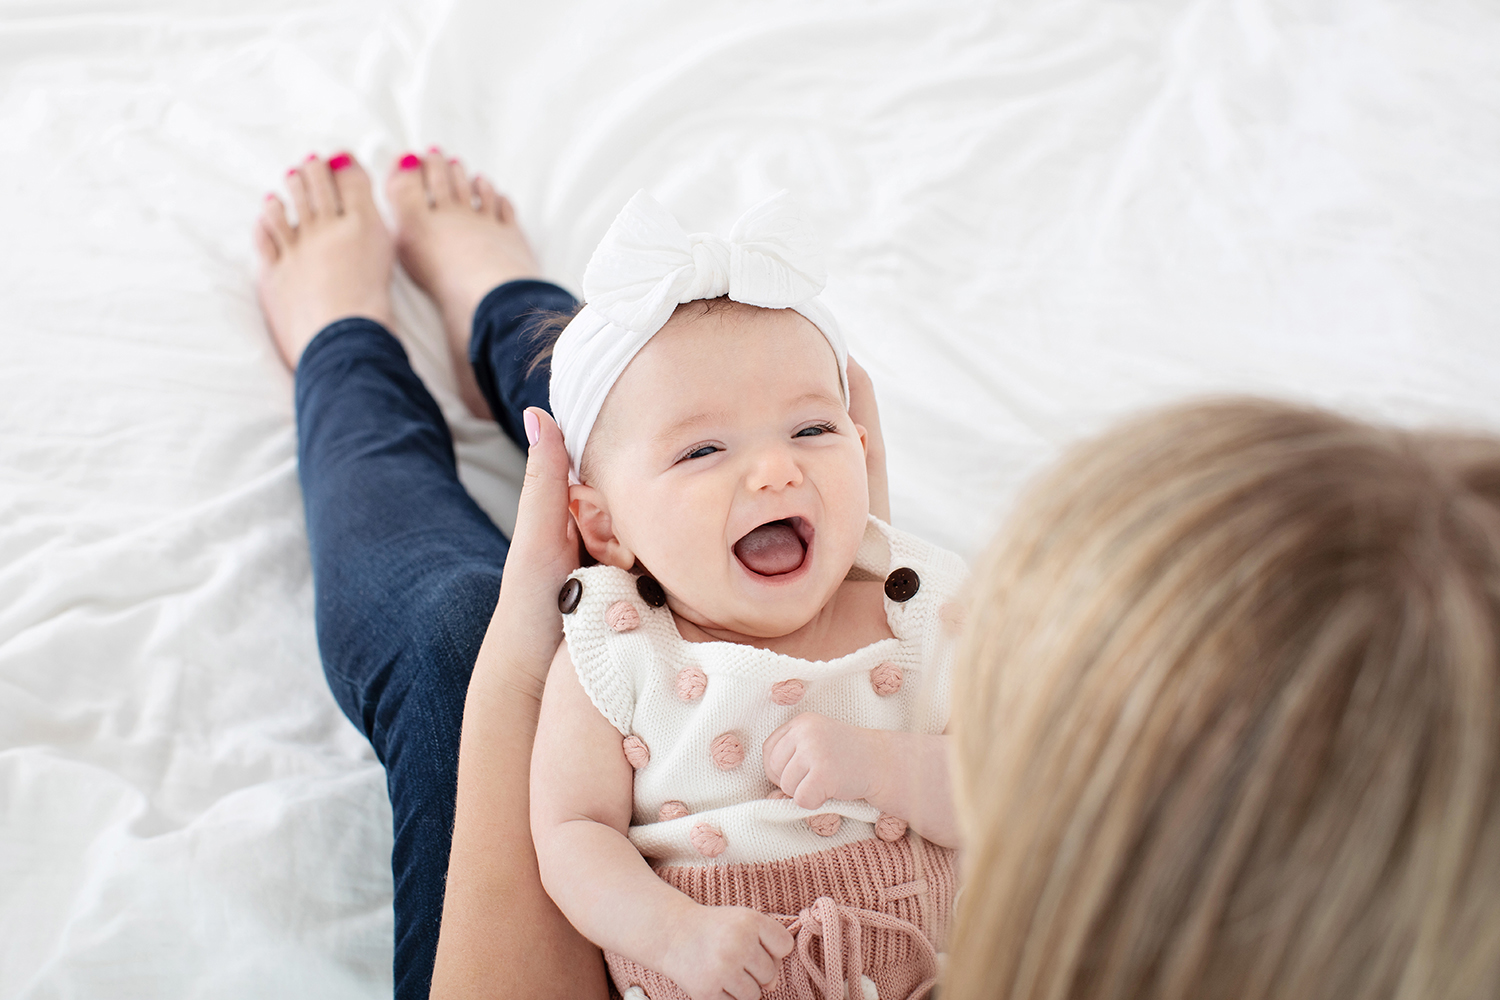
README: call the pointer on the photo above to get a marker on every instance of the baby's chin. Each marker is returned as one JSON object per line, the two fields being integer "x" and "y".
{"x": 753, "y": 619}
{"x": 738, "y": 625}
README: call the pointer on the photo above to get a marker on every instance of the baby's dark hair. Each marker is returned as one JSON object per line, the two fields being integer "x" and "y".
{"x": 541, "y": 333}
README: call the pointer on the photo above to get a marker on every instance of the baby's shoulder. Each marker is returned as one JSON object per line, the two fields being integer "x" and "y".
{"x": 616, "y": 625}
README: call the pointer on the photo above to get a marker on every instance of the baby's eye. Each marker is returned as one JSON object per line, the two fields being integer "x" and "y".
{"x": 815, "y": 430}
{"x": 702, "y": 451}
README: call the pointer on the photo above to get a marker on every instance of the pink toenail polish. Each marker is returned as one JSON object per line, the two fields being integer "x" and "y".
{"x": 340, "y": 161}
{"x": 270, "y": 196}
{"x": 292, "y": 172}
{"x": 433, "y": 149}
{"x": 410, "y": 162}
{"x": 310, "y": 157}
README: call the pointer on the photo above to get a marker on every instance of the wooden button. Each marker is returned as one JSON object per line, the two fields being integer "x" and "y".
{"x": 902, "y": 585}
{"x": 651, "y": 591}
{"x": 569, "y": 596}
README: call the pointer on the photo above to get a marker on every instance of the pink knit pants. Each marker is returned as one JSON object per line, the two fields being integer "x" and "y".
{"x": 867, "y": 910}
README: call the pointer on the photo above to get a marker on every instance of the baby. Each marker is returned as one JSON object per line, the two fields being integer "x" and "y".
{"x": 739, "y": 784}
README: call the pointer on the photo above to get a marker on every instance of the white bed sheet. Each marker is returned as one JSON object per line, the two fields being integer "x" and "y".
{"x": 1040, "y": 215}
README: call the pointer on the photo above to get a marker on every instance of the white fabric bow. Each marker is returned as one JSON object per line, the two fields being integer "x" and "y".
{"x": 647, "y": 265}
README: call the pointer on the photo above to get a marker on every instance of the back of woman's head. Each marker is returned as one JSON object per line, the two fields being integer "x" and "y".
{"x": 1228, "y": 718}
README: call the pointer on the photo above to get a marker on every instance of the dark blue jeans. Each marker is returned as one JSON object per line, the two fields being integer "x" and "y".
{"x": 406, "y": 568}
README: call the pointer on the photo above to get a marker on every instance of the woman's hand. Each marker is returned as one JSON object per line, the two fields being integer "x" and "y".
{"x": 526, "y": 625}
{"x": 501, "y": 934}
{"x": 864, "y": 412}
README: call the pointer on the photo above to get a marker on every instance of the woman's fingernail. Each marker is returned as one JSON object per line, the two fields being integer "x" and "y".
{"x": 340, "y": 161}
{"x": 533, "y": 426}
{"x": 410, "y": 162}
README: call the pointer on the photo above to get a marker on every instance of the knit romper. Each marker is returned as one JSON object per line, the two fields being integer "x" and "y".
{"x": 867, "y": 901}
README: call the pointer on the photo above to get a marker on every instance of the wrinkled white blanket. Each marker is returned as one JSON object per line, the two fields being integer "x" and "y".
{"x": 1041, "y": 214}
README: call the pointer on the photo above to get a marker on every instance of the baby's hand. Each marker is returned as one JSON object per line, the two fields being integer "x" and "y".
{"x": 727, "y": 951}
{"x": 814, "y": 758}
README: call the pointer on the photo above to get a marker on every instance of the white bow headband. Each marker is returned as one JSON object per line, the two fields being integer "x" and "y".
{"x": 646, "y": 266}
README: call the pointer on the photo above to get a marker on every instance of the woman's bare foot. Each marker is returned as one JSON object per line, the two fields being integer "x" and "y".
{"x": 457, "y": 238}
{"x": 334, "y": 263}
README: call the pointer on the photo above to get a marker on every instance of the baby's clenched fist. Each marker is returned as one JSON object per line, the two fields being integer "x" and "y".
{"x": 727, "y": 951}
{"x": 813, "y": 758}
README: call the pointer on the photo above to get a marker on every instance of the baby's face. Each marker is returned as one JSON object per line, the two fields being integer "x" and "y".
{"x": 725, "y": 462}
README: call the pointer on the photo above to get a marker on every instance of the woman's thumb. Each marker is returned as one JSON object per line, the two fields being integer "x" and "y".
{"x": 543, "y": 510}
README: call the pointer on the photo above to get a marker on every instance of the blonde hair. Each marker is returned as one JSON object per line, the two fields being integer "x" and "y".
{"x": 1228, "y": 718}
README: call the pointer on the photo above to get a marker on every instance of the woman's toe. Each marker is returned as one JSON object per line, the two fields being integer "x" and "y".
{"x": 265, "y": 247}
{"x": 504, "y": 210}
{"x": 405, "y": 189}
{"x": 485, "y": 196}
{"x": 296, "y": 186}
{"x": 463, "y": 188}
{"x": 274, "y": 221}
{"x": 439, "y": 178}
{"x": 352, "y": 183}
{"x": 320, "y": 190}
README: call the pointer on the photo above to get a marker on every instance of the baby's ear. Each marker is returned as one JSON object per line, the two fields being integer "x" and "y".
{"x": 591, "y": 512}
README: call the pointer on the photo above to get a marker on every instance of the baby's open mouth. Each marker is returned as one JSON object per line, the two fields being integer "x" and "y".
{"x": 776, "y": 547}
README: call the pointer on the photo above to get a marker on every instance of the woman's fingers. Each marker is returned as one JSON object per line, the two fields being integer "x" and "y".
{"x": 543, "y": 552}
{"x": 544, "y": 527}
{"x": 863, "y": 411}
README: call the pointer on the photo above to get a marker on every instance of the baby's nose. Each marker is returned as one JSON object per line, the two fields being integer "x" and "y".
{"x": 774, "y": 468}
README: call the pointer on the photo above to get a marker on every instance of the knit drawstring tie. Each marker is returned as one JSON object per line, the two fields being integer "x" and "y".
{"x": 841, "y": 929}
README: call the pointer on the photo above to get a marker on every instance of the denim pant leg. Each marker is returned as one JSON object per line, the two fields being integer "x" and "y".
{"x": 406, "y": 568}
{"x": 502, "y": 349}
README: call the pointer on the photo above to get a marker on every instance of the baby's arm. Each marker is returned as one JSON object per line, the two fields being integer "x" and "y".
{"x": 814, "y": 758}
{"x": 581, "y": 792}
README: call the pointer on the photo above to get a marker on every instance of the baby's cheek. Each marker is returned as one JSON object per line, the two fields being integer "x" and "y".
{"x": 686, "y": 549}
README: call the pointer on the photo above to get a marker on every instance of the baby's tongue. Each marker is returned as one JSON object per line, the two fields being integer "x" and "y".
{"x": 771, "y": 549}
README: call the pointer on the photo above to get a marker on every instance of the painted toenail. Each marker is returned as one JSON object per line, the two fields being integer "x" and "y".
{"x": 410, "y": 162}
{"x": 340, "y": 161}
{"x": 434, "y": 149}
{"x": 310, "y": 157}
{"x": 292, "y": 172}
